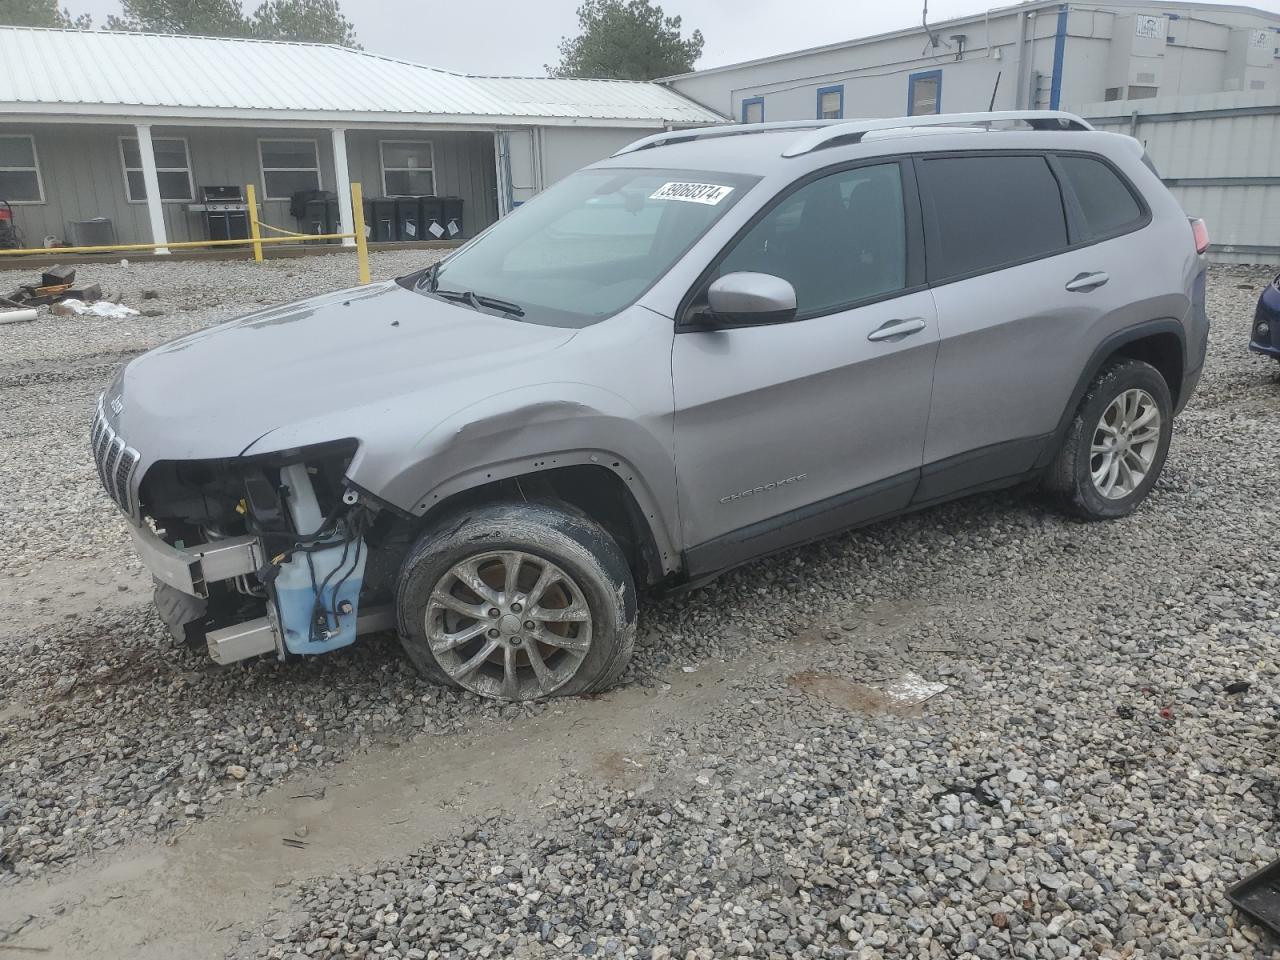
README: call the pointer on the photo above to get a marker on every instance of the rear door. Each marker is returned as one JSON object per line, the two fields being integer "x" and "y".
{"x": 788, "y": 431}
{"x": 1025, "y": 290}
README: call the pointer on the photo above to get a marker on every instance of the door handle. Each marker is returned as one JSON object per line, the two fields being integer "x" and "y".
{"x": 897, "y": 329}
{"x": 1084, "y": 282}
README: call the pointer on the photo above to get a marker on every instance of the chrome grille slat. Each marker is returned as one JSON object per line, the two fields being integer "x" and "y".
{"x": 127, "y": 463}
{"x": 116, "y": 461}
{"x": 114, "y": 449}
{"x": 100, "y": 445}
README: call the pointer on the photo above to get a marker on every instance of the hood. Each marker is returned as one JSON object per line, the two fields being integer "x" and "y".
{"x": 215, "y": 392}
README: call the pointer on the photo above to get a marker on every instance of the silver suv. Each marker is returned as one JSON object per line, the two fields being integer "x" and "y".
{"x": 714, "y": 345}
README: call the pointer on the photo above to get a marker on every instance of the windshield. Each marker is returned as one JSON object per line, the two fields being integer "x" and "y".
{"x": 588, "y": 247}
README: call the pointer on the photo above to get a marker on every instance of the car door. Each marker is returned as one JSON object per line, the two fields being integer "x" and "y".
{"x": 1024, "y": 294}
{"x": 787, "y": 431}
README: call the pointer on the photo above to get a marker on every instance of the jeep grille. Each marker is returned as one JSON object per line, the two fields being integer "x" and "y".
{"x": 116, "y": 461}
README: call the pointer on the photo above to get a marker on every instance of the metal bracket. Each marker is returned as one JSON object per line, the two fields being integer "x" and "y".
{"x": 192, "y": 569}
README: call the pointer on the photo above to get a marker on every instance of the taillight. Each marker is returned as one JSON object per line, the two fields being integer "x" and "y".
{"x": 1201, "y": 234}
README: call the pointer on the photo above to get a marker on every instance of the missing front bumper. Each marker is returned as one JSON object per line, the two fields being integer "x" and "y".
{"x": 243, "y": 640}
{"x": 256, "y": 637}
{"x": 192, "y": 569}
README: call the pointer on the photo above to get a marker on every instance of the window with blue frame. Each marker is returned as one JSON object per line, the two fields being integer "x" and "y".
{"x": 753, "y": 110}
{"x": 924, "y": 93}
{"x": 831, "y": 102}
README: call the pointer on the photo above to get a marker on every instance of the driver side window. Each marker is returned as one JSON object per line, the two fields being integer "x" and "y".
{"x": 837, "y": 240}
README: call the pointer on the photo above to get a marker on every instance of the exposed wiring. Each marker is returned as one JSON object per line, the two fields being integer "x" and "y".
{"x": 354, "y": 533}
{"x": 337, "y": 589}
{"x": 319, "y": 609}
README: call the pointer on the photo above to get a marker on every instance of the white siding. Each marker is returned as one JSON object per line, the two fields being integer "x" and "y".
{"x": 1199, "y": 138}
{"x": 565, "y": 150}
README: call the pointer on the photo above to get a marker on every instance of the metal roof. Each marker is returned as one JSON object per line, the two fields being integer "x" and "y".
{"x": 104, "y": 73}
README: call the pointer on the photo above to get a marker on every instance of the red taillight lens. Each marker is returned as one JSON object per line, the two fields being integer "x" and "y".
{"x": 1201, "y": 234}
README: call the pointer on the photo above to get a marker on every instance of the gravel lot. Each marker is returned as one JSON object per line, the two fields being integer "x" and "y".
{"x": 1085, "y": 786}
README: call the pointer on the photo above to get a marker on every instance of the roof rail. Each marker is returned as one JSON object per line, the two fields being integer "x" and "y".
{"x": 852, "y": 131}
{"x": 721, "y": 130}
{"x": 825, "y": 132}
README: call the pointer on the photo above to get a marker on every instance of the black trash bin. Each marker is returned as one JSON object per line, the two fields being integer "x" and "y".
{"x": 451, "y": 210}
{"x": 380, "y": 219}
{"x": 321, "y": 216}
{"x": 431, "y": 218}
{"x": 407, "y": 219}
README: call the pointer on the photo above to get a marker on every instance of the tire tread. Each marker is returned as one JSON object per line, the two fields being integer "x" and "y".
{"x": 1066, "y": 477}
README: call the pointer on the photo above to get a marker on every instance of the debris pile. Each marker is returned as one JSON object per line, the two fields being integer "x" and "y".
{"x": 58, "y": 287}
{"x": 56, "y": 284}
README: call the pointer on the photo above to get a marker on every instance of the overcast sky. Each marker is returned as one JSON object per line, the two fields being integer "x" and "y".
{"x": 520, "y": 36}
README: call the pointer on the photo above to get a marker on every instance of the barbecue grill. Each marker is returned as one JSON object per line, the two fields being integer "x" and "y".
{"x": 226, "y": 215}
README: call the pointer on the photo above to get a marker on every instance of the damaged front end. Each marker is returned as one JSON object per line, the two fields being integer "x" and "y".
{"x": 254, "y": 555}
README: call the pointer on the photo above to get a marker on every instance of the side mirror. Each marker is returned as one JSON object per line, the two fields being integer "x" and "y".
{"x": 749, "y": 299}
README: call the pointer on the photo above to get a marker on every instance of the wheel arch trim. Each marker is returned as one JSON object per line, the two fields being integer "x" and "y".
{"x": 648, "y": 512}
{"x": 1108, "y": 348}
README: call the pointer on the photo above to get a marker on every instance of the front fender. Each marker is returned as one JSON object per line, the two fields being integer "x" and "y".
{"x": 531, "y": 429}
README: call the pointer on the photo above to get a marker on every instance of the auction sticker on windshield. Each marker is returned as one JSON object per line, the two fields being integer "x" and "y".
{"x": 711, "y": 193}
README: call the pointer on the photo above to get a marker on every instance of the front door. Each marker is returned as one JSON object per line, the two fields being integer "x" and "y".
{"x": 789, "y": 431}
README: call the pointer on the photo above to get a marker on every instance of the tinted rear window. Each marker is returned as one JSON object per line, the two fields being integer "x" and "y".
{"x": 1108, "y": 205}
{"x": 990, "y": 212}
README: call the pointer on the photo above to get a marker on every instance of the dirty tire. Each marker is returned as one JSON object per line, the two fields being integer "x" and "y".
{"x": 1070, "y": 478}
{"x": 180, "y": 611}
{"x": 558, "y": 534}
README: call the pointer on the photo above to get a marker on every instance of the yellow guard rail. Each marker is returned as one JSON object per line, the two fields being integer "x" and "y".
{"x": 256, "y": 240}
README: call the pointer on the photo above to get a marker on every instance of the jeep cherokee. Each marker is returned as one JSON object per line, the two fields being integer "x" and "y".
{"x": 714, "y": 345}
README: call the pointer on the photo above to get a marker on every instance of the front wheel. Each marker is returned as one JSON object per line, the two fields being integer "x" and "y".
{"x": 518, "y": 601}
{"x": 1116, "y": 446}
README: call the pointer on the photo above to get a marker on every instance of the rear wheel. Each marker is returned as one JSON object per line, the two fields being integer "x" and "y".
{"x": 518, "y": 602}
{"x": 1117, "y": 443}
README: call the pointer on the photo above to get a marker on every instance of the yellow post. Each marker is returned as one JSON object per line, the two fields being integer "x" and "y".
{"x": 251, "y": 198}
{"x": 357, "y": 218}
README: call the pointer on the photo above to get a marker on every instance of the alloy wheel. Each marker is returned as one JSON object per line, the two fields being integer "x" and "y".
{"x": 509, "y": 625}
{"x": 1125, "y": 443}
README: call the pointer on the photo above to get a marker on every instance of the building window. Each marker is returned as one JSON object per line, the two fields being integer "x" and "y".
{"x": 924, "y": 93}
{"x": 20, "y": 170}
{"x": 753, "y": 110}
{"x": 831, "y": 102}
{"x": 407, "y": 168}
{"x": 288, "y": 166}
{"x": 173, "y": 169}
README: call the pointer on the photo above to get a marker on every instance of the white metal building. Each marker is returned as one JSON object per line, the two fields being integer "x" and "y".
{"x": 1200, "y": 83}
{"x": 129, "y": 126}
{"x": 1034, "y": 55}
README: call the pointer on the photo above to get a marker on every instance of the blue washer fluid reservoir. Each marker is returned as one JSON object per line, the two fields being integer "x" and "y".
{"x": 336, "y": 574}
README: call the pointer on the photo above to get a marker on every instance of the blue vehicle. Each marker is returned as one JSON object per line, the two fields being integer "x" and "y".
{"x": 1265, "y": 338}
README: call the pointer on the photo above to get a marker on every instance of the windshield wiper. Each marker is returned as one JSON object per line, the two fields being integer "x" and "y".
{"x": 429, "y": 278}
{"x": 478, "y": 300}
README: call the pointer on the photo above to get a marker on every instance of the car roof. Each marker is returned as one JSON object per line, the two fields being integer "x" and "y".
{"x": 765, "y": 150}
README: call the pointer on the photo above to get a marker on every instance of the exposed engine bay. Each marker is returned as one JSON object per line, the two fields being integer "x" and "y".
{"x": 324, "y": 556}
